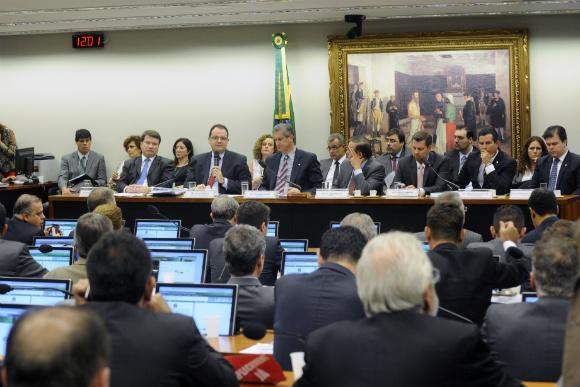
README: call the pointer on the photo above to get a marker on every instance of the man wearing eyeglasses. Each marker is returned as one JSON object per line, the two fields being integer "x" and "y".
{"x": 336, "y": 170}
{"x": 220, "y": 170}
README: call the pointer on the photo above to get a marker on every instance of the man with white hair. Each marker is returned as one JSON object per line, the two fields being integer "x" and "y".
{"x": 362, "y": 222}
{"x": 400, "y": 343}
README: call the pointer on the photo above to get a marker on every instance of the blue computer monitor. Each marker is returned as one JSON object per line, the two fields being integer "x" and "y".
{"x": 57, "y": 257}
{"x": 60, "y": 227}
{"x": 34, "y": 291}
{"x": 8, "y": 316}
{"x": 298, "y": 263}
{"x": 335, "y": 224}
{"x": 529, "y": 297}
{"x": 179, "y": 266}
{"x": 169, "y": 243}
{"x": 273, "y": 228}
{"x": 148, "y": 228}
{"x": 294, "y": 244}
{"x": 202, "y": 300}
{"x": 54, "y": 241}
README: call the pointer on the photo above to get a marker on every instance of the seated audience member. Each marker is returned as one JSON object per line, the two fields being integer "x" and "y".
{"x": 26, "y": 223}
{"x": 223, "y": 215}
{"x": 150, "y": 346}
{"x": 368, "y": 174}
{"x": 455, "y": 199}
{"x": 182, "y": 152}
{"x": 254, "y": 214}
{"x": 362, "y": 222}
{"x": 7, "y": 151}
{"x": 543, "y": 211}
{"x": 57, "y": 347}
{"x": 467, "y": 275}
{"x": 100, "y": 195}
{"x": 132, "y": 145}
{"x": 114, "y": 214}
{"x": 221, "y": 169}
{"x": 492, "y": 168}
{"x": 396, "y": 150}
{"x": 463, "y": 148}
{"x": 336, "y": 170}
{"x": 244, "y": 248}
{"x": 80, "y": 162}
{"x": 534, "y": 148}
{"x": 264, "y": 147}
{"x": 141, "y": 173}
{"x": 506, "y": 213}
{"x": 420, "y": 169}
{"x": 400, "y": 343}
{"x": 305, "y": 303}
{"x": 90, "y": 228}
{"x": 570, "y": 369}
{"x": 510, "y": 328}
{"x": 15, "y": 260}
{"x": 291, "y": 170}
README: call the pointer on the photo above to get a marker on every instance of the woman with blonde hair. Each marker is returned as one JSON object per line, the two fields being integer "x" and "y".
{"x": 264, "y": 147}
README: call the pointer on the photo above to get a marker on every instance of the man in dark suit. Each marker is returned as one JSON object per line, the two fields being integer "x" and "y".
{"x": 491, "y": 169}
{"x": 15, "y": 260}
{"x": 82, "y": 161}
{"x": 496, "y": 111}
{"x": 141, "y": 173}
{"x": 396, "y": 150}
{"x": 220, "y": 170}
{"x": 27, "y": 220}
{"x": 509, "y": 329}
{"x": 336, "y": 170}
{"x": 305, "y": 303}
{"x": 150, "y": 346}
{"x": 254, "y": 214}
{"x": 400, "y": 343}
{"x": 467, "y": 275}
{"x": 469, "y": 113}
{"x": 560, "y": 168}
{"x": 543, "y": 211}
{"x": 223, "y": 214}
{"x": 423, "y": 169}
{"x": 244, "y": 250}
{"x": 290, "y": 170}
{"x": 457, "y": 157}
{"x": 368, "y": 174}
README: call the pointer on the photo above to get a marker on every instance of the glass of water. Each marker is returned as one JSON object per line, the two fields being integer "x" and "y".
{"x": 245, "y": 187}
{"x": 191, "y": 185}
{"x": 544, "y": 185}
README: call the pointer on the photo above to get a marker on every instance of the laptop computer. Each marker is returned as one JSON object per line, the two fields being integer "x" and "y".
{"x": 335, "y": 224}
{"x": 198, "y": 301}
{"x": 298, "y": 263}
{"x": 34, "y": 291}
{"x": 8, "y": 316}
{"x": 59, "y": 256}
{"x": 179, "y": 266}
{"x": 169, "y": 243}
{"x": 60, "y": 227}
{"x": 294, "y": 244}
{"x": 273, "y": 228}
{"x": 152, "y": 228}
{"x": 53, "y": 241}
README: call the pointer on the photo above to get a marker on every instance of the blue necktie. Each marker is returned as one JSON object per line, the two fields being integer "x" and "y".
{"x": 553, "y": 175}
{"x": 143, "y": 175}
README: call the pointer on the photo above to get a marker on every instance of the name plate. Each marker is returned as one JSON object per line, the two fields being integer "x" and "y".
{"x": 256, "y": 194}
{"x": 520, "y": 193}
{"x": 203, "y": 194}
{"x": 331, "y": 194}
{"x": 403, "y": 193}
{"x": 85, "y": 191}
{"x": 477, "y": 194}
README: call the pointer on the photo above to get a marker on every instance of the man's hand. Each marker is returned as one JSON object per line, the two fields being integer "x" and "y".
{"x": 217, "y": 172}
{"x": 66, "y": 191}
{"x": 115, "y": 175}
{"x": 80, "y": 289}
{"x": 293, "y": 190}
{"x": 355, "y": 160}
{"x": 485, "y": 158}
{"x": 158, "y": 304}
{"x": 135, "y": 188}
{"x": 508, "y": 232}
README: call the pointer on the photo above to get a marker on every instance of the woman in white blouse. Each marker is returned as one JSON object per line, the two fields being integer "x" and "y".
{"x": 534, "y": 148}
{"x": 263, "y": 148}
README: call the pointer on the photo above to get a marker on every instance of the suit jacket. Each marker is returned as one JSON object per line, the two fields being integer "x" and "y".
{"x": 15, "y": 261}
{"x": 373, "y": 177}
{"x": 407, "y": 173}
{"x": 21, "y": 231}
{"x": 255, "y": 302}
{"x": 344, "y": 174}
{"x": 500, "y": 179}
{"x": 453, "y": 161}
{"x": 160, "y": 170}
{"x": 74, "y": 272}
{"x": 159, "y": 349}
{"x": 468, "y": 277}
{"x": 218, "y": 271}
{"x": 570, "y": 369}
{"x": 496, "y": 247}
{"x": 305, "y": 303}
{"x": 305, "y": 171}
{"x": 69, "y": 168}
{"x": 234, "y": 168}
{"x": 568, "y": 179}
{"x": 386, "y": 161}
{"x": 403, "y": 348}
{"x": 205, "y": 233}
{"x": 510, "y": 328}
{"x": 470, "y": 237}
{"x": 536, "y": 234}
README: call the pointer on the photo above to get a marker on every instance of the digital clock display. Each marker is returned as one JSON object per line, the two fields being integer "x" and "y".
{"x": 88, "y": 40}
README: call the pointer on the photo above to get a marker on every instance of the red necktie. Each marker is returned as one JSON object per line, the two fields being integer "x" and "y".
{"x": 216, "y": 163}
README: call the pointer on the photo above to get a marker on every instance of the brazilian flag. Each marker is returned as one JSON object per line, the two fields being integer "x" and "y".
{"x": 283, "y": 111}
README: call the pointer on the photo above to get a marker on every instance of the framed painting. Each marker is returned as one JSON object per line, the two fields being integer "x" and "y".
{"x": 435, "y": 82}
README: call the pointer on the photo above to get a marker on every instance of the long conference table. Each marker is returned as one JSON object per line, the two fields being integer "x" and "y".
{"x": 309, "y": 218}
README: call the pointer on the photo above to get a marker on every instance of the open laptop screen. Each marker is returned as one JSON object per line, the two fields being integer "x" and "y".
{"x": 58, "y": 257}
{"x": 54, "y": 241}
{"x": 299, "y": 263}
{"x": 147, "y": 228}
{"x": 198, "y": 301}
{"x": 273, "y": 228}
{"x": 60, "y": 227}
{"x": 294, "y": 244}
{"x": 8, "y": 316}
{"x": 335, "y": 224}
{"x": 29, "y": 291}
{"x": 169, "y": 243}
{"x": 179, "y": 266}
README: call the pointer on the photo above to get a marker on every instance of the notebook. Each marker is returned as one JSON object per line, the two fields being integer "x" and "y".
{"x": 298, "y": 263}
{"x": 273, "y": 228}
{"x": 179, "y": 266}
{"x": 59, "y": 256}
{"x": 34, "y": 291}
{"x": 169, "y": 243}
{"x": 294, "y": 244}
{"x": 149, "y": 228}
{"x": 60, "y": 227}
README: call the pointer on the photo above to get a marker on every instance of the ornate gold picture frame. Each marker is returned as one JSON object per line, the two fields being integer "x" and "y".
{"x": 418, "y": 82}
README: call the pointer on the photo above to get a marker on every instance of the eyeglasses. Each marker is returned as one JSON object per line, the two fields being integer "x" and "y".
{"x": 334, "y": 147}
{"x": 216, "y": 138}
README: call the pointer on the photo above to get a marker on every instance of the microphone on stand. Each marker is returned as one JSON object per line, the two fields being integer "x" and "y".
{"x": 153, "y": 210}
{"x": 163, "y": 182}
{"x": 5, "y": 288}
{"x": 449, "y": 183}
{"x": 285, "y": 180}
{"x": 257, "y": 331}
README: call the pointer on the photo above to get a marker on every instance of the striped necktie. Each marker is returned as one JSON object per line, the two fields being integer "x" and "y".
{"x": 282, "y": 177}
{"x": 553, "y": 175}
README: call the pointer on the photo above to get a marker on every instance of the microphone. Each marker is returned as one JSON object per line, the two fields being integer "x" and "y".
{"x": 275, "y": 173}
{"x": 153, "y": 210}
{"x": 449, "y": 183}
{"x": 5, "y": 288}
{"x": 456, "y": 315}
{"x": 257, "y": 331}
{"x": 515, "y": 252}
{"x": 163, "y": 182}
{"x": 45, "y": 249}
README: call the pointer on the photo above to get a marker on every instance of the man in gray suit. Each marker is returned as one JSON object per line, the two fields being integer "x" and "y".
{"x": 336, "y": 170}
{"x": 367, "y": 173}
{"x": 529, "y": 337}
{"x": 82, "y": 161}
{"x": 396, "y": 150}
